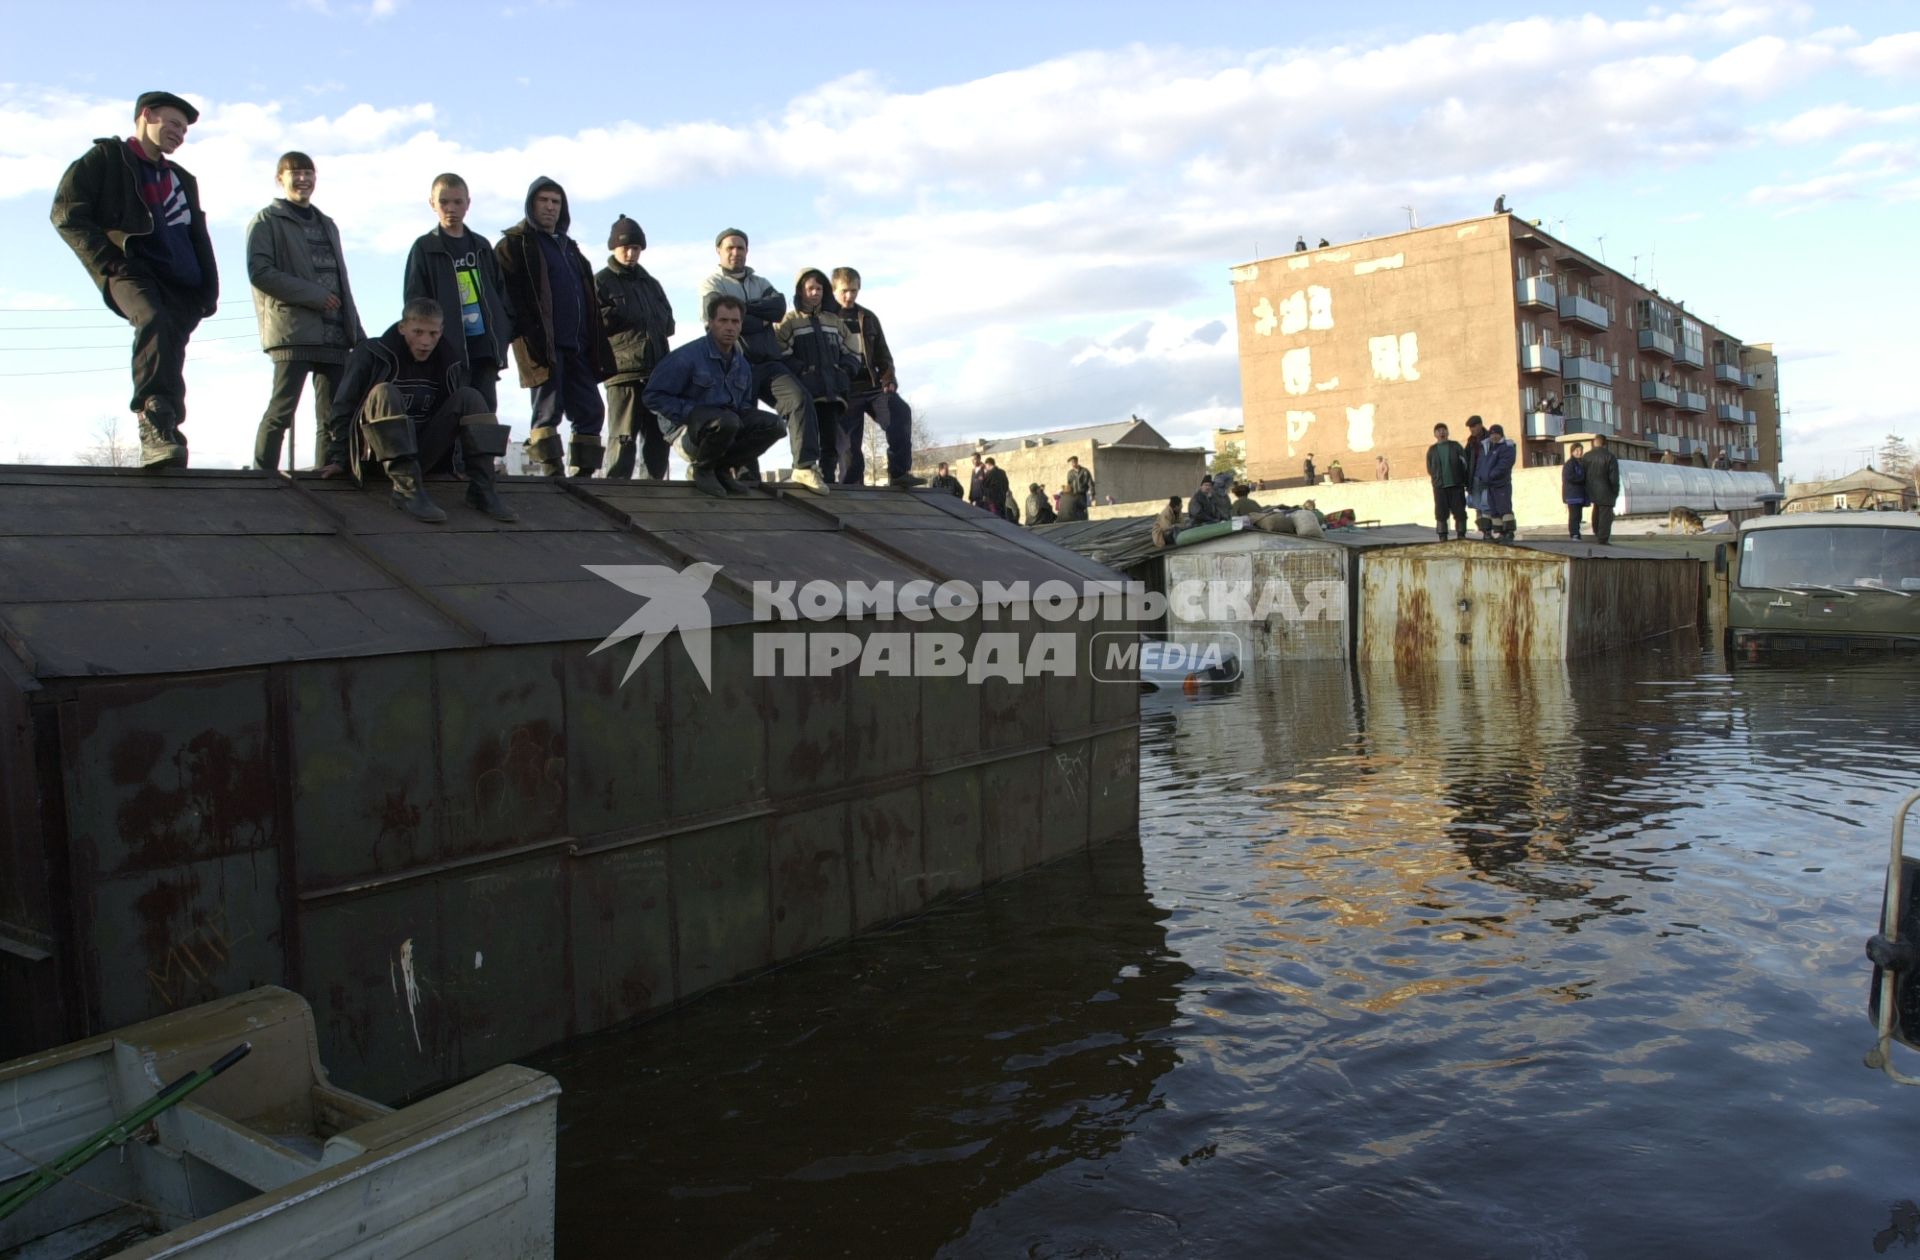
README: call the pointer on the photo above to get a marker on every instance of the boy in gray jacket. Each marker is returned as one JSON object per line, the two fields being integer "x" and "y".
{"x": 305, "y": 308}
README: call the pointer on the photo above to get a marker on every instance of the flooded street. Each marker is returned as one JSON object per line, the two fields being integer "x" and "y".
{"x": 1544, "y": 962}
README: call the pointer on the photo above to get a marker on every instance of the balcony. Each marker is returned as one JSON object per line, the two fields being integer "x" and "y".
{"x": 1586, "y": 415}
{"x": 1657, "y": 342}
{"x": 1584, "y": 311}
{"x": 1541, "y": 424}
{"x": 1659, "y": 393}
{"x": 1576, "y": 368}
{"x": 1691, "y": 400}
{"x": 1752, "y": 419}
{"x": 1689, "y": 355}
{"x": 1752, "y": 381}
{"x": 1728, "y": 374}
{"x": 1539, "y": 359}
{"x": 1665, "y": 442}
{"x": 1730, "y": 413}
{"x": 1535, "y": 292}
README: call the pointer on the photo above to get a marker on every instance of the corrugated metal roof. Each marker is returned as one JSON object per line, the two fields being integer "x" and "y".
{"x": 121, "y": 572}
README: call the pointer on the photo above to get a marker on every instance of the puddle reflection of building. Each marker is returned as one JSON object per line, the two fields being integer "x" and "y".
{"x": 880, "y": 1095}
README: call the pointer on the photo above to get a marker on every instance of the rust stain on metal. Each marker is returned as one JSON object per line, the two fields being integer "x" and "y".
{"x": 1414, "y": 634}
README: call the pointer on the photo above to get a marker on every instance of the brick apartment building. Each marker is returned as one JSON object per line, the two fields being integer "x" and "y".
{"x": 1356, "y": 351}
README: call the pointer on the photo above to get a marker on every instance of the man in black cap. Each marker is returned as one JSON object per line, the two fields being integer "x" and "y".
{"x": 639, "y": 322}
{"x": 134, "y": 220}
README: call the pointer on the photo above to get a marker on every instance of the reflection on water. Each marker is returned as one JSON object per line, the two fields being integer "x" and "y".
{"x": 1535, "y": 961}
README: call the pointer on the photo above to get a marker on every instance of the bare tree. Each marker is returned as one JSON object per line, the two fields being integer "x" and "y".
{"x": 1895, "y": 456}
{"x": 108, "y": 450}
{"x": 873, "y": 443}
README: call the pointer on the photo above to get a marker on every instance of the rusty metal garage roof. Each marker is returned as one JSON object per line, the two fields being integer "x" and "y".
{"x": 121, "y": 572}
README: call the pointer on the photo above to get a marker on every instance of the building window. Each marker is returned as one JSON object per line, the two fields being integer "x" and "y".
{"x": 1839, "y": 502}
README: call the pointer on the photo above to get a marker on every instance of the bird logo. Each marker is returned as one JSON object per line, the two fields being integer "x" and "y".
{"x": 676, "y": 600}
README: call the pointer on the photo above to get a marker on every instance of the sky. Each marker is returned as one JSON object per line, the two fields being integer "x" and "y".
{"x": 1044, "y": 200}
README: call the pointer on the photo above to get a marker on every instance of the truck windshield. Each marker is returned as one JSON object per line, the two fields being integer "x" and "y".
{"x": 1846, "y": 556}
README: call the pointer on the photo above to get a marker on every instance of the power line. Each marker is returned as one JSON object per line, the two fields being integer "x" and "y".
{"x": 118, "y": 367}
{"x": 70, "y": 310}
{"x": 103, "y": 345}
{"x": 13, "y": 328}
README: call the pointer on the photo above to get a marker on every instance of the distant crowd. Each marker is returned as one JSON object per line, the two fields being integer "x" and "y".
{"x": 420, "y": 398}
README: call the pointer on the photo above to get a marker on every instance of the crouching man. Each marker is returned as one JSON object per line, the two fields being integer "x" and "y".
{"x": 704, "y": 393}
{"x": 408, "y": 389}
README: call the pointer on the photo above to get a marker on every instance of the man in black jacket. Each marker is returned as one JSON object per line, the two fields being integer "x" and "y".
{"x": 1602, "y": 468}
{"x": 408, "y": 390}
{"x": 946, "y": 481}
{"x": 876, "y": 392}
{"x": 456, "y": 267}
{"x": 1204, "y": 508}
{"x": 995, "y": 489}
{"x": 559, "y": 343}
{"x": 134, "y": 220}
{"x": 639, "y": 322}
{"x": 304, "y": 306}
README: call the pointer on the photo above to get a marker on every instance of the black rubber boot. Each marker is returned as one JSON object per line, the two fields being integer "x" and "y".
{"x": 906, "y": 481}
{"x": 162, "y": 445}
{"x": 585, "y": 453}
{"x": 409, "y": 495}
{"x": 707, "y": 481}
{"x": 482, "y": 439}
{"x": 730, "y": 483}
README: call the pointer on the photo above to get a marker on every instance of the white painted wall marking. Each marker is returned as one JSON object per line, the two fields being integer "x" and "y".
{"x": 413, "y": 990}
{"x": 1360, "y": 427}
{"x": 1372, "y": 265}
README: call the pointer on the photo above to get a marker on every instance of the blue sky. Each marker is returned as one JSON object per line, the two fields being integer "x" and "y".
{"x": 1044, "y": 199}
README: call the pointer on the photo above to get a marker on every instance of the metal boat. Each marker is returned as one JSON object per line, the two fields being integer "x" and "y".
{"x": 1826, "y": 580}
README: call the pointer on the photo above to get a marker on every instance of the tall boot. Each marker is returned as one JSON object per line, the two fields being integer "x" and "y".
{"x": 585, "y": 454}
{"x": 545, "y": 455}
{"x": 482, "y": 439}
{"x": 162, "y": 444}
{"x": 391, "y": 439}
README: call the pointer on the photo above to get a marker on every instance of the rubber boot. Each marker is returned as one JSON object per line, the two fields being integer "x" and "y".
{"x": 730, "y": 483}
{"x": 162, "y": 445}
{"x": 585, "y": 454}
{"x": 545, "y": 455}
{"x": 707, "y": 481}
{"x": 409, "y": 495}
{"x": 483, "y": 439}
{"x": 1442, "y": 533}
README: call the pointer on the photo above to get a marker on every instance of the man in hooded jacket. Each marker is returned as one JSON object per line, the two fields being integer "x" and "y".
{"x": 560, "y": 345}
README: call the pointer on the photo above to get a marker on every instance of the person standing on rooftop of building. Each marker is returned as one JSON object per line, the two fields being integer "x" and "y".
{"x": 773, "y": 382}
{"x": 1447, "y": 472}
{"x": 1476, "y": 491}
{"x": 1495, "y": 473}
{"x": 1073, "y": 505}
{"x": 1312, "y": 479}
{"x": 305, "y": 309}
{"x": 1724, "y": 460}
{"x": 1602, "y": 487}
{"x": 1573, "y": 489}
{"x": 1380, "y": 472}
{"x": 456, "y": 267}
{"x": 639, "y": 323}
{"x": 876, "y": 391}
{"x": 560, "y": 345}
{"x": 133, "y": 219}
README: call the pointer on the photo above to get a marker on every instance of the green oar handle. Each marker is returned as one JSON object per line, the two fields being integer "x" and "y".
{"x": 120, "y": 1130}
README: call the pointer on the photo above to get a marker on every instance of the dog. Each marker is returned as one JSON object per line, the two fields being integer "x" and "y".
{"x": 1684, "y": 520}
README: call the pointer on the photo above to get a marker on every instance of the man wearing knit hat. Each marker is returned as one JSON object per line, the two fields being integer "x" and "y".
{"x": 773, "y": 383}
{"x": 134, "y": 220}
{"x": 639, "y": 322}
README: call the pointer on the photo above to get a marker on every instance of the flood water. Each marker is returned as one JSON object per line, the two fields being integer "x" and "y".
{"x": 1538, "y": 962}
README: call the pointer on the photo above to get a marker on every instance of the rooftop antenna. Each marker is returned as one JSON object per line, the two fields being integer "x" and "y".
{"x": 1413, "y": 218}
{"x": 1601, "y": 241}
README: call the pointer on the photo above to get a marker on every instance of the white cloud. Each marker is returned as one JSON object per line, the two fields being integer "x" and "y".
{"x": 1892, "y": 55}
